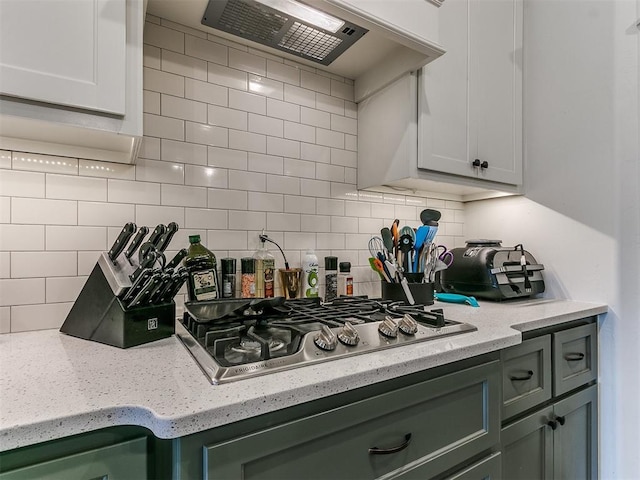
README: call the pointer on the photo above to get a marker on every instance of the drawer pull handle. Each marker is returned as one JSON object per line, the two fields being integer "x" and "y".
{"x": 386, "y": 451}
{"x": 528, "y": 376}
{"x": 574, "y": 357}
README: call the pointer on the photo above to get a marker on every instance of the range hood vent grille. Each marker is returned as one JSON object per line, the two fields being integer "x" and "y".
{"x": 275, "y": 29}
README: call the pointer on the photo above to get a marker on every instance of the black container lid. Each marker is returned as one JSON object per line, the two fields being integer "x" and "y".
{"x": 345, "y": 267}
{"x": 331, "y": 263}
{"x": 228, "y": 265}
{"x": 248, "y": 265}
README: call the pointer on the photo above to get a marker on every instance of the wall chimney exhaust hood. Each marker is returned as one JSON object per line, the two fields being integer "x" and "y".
{"x": 373, "y": 42}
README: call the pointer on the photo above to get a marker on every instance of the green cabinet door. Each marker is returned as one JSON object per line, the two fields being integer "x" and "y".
{"x": 123, "y": 461}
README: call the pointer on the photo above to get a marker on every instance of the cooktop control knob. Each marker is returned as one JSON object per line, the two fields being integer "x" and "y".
{"x": 348, "y": 335}
{"x": 326, "y": 339}
{"x": 408, "y": 325}
{"x": 388, "y": 327}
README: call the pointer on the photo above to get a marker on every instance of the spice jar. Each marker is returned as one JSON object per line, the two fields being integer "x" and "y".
{"x": 248, "y": 278}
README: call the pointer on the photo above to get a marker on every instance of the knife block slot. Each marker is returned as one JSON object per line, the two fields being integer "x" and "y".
{"x": 99, "y": 315}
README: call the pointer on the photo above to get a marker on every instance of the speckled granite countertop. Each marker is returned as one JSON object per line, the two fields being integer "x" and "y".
{"x": 53, "y": 385}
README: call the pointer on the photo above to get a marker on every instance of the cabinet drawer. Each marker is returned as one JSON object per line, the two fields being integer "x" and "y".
{"x": 436, "y": 424}
{"x": 124, "y": 460}
{"x": 489, "y": 468}
{"x": 575, "y": 357}
{"x": 526, "y": 375}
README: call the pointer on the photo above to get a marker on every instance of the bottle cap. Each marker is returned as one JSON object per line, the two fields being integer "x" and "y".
{"x": 345, "y": 267}
{"x": 194, "y": 238}
{"x": 331, "y": 263}
{"x": 228, "y": 265}
{"x": 248, "y": 265}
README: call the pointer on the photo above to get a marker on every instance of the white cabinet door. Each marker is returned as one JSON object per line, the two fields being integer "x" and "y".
{"x": 471, "y": 99}
{"x": 65, "y": 52}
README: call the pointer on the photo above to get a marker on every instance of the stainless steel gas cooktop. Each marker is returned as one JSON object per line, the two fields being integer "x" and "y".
{"x": 236, "y": 339}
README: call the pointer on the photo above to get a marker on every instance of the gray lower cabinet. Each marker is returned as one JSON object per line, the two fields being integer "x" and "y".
{"x": 559, "y": 439}
{"x": 418, "y": 431}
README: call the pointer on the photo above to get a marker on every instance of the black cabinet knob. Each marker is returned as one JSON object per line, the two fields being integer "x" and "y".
{"x": 476, "y": 162}
{"x": 553, "y": 424}
{"x": 484, "y": 164}
{"x": 560, "y": 420}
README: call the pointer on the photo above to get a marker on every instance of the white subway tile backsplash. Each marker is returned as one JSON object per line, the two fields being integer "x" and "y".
{"x": 5, "y": 319}
{"x": 315, "y": 82}
{"x": 370, "y": 225}
{"x": 358, "y": 209}
{"x": 329, "y": 138}
{"x": 247, "y": 62}
{"x": 265, "y": 163}
{"x": 152, "y": 215}
{"x": 301, "y": 241}
{"x": 283, "y": 222}
{"x": 5, "y": 209}
{"x": 69, "y": 187}
{"x": 206, "y": 134}
{"x": 406, "y": 212}
{"x": 151, "y": 56}
{"x": 244, "y": 220}
{"x": 331, "y": 241}
{"x": 227, "y": 199}
{"x": 218, "y": 240}
{"x": 453, "y": 229}
{"x": 250, "y": 142}
{"x": 332, "y": 173}
{"x": 300, "y": 96}
{"x": 283, "y": 147}
{"x": 109, "y": 214}
{"x": 150, "y": 148}
{"x": 21, "y": 238}
{"x": 266, "y": 87}
{"x": 206, "y": 218}
{"x": 155, "y": 171}
{"x": 227, "y": 158}
{"x": 227, "y": 77}
{"x": 206, "y": 176}
{"x": 277, "y": 70}
{"x": 163, "y": 37}
{"x": 329, "y": 104}
{"x": 184, "y": 109}
{"x": 151, "y": 102}
{"x": 343, "y": 190}
{"x": 316, "y": 118}
{"x": 283, "y": 110}
{"x": 41, "y": 211}
{"x": 38, "y": 317}
{"x": 21, "y": 291}
{"x": 315, "y": 223}
{"x": 124, "y": 191}
{"x": 75, "y": 238}
{"x": 43, "y": 264}
{"x": 344, "y": 225}
{"x": 265, "y": 125}
{"x": 163, "y": 127}
{"x": 393, "y": 198}
{"x": 184, "y": 196}
{"x": 299, "y": 168}
{"x": 315, "y": 188}
{"x": 315, "y": 153}
{"x": 182, "y": 28}
{"x": 299, "y": 204}
{"x": 341, "y": 90}
{"x": 5, "y": 264}
{"x": 44, "y": 163}
{"x": 330, "y": 206}
{"x": 163, "y": 82}
{"x": 227, "y": 117}
{"x": 416, "y": 201}
{"x": 266, "y": 202}
{"x": 350, "y": 109}
{"x": 206, "y": 92}
{"x": 183, "y": 152}
{"x": 249, "y": 181}
{"x": 87, "y": 261}
{"x": 297, "y": 131}
{"x": 351, "y": 142}
{"x": 383, "y": 210}
{"x": 5, "y": 159}
{"x": 206, "y": 50}
{"x": 183, "y": 65}
{"x": 248, "y": 102}
{"x": 282, "y": 184}
{"x": 344, "y": 124}
{"x": 21, "y": 184}
{"x": 436, "y": 203}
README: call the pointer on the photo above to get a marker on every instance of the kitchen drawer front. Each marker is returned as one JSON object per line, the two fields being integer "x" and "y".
{"x": 449, "y": 419}
{"x": 575, "y": 357}
{"x": 526, "y": 375}
{"x": 123, "y": 460}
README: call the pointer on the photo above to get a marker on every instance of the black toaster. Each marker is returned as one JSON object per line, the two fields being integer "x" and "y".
{"x": 486, "y": 269}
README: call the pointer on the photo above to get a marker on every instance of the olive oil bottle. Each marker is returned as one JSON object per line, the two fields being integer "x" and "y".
{"x": 203, "y": 274}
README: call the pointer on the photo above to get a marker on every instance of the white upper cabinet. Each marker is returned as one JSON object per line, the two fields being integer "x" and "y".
{"x": 71, "y": 77}
{"x": 470, "y": 101}
{"x": 66, "y": 52}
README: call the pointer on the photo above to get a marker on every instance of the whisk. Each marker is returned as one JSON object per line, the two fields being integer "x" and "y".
{"x": 377, "y": 249}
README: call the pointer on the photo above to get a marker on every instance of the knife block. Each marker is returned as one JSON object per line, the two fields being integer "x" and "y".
{"x": 99, "y": 315}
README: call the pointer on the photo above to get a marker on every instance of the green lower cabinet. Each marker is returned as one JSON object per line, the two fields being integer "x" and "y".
{"x": 489, "y": 468}
{"x": 416, "y": 432}
{"x": 123, "y": 461}
{"x": 554, "y": 443}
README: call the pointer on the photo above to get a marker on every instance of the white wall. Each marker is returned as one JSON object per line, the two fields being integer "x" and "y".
{"x": 581, "y": 214}
{"x": 235, "y": 141}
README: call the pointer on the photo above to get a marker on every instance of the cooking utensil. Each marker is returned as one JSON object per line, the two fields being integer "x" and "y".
{"x": 145, "y": 293}
{"x": 433, "y": 230}
{"x": 444, "y": 255}
{"x": 136, "y": 242}
{"x": 456, "y": 298}
{"x": 157, "y": 233}
{"x": 137, "y": 285}
{"x": 421, "y": 235}
{"x": 376, "y": 246}
{"x": 428, "y": 215}
{"x": 395, "y": 233}
{"x": 387, "y": 239}
{"x": 406, "y": 246}
{"x": 147, "y": 262}
{"x": 165, "y": 238}
{"x": 374, "y": 267}
{"x": 123, "y": 238}
{"x": 175, "y": 261}
{"x": 379, "y": 267}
